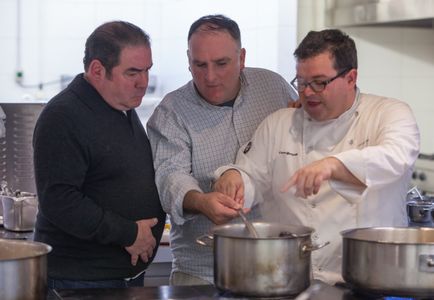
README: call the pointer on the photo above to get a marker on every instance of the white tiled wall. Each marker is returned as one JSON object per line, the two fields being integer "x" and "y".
{"x": 399, "y": 62}
{"x": 53, "y": 33}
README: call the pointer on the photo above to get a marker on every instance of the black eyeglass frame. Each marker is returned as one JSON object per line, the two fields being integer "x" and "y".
{"x": 323, "y": 83}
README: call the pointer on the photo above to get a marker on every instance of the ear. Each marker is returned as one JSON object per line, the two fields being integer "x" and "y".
{"x": 189, "y": 59}
{"x": 188, "y": 55}
{"x": 352, "y": 77}
{"x": 242, "y": 58}
{"x": 96, "y": 70}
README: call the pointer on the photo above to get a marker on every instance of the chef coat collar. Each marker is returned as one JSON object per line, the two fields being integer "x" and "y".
{"x": 342, "y": 118}
{"x": 302, "y": 122}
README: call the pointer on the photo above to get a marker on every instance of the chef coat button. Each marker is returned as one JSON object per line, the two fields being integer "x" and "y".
{"x": 313, "y": 205}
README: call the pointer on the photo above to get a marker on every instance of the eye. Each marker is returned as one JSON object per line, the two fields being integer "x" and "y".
{"x": 318, "y": 83}
{"x": 200, "y": 65}
{"x": 131, "y": 73}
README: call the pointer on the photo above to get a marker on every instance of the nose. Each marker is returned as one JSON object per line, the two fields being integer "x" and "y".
{"x": 308, "y": 91}
{"x": 210, "y": 74}
{"x": 142, "y": 80}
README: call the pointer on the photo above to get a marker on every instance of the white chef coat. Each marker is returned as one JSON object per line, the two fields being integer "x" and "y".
{"x": 377, "y": 140}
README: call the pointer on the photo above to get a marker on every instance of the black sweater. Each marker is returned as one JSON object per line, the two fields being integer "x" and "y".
{"x": 94, "y": 178}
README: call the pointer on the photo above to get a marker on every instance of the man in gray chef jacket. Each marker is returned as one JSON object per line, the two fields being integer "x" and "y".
{"x": 199, "y": 127}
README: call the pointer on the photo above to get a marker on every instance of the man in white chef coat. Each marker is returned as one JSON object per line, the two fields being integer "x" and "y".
{"x": 343, "y": 161}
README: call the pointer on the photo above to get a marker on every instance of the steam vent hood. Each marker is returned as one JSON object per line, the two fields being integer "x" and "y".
{"x": 409, "y": 13}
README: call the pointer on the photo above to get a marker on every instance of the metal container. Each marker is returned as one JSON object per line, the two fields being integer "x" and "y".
{"x": 419, "y": 211}
{"x": 23, "y": 269}
{"x": 277, "y": 263}
{"x": 19, "y": 213}
{"x": 394, "y": 261}
{"x": 16, "y": 151}
{"x": 419, "y": 207}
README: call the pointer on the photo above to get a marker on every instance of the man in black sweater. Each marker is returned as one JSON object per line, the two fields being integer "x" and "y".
{"x": 98, "y": 204}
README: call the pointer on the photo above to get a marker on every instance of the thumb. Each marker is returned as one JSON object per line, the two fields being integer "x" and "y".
{"x": 229, "y": 202}
{"x": 239, "y": 195}
{"x": 152, "y": 222}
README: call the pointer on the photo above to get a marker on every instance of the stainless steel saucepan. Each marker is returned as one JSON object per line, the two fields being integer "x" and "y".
{"x": 395, "y": 261}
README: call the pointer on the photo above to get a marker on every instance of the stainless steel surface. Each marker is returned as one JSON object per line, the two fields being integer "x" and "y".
{"x": 419, "y": 13}
{"x": 19, "y": 213}
{"x": 318, "y": 291}
{"x": 15, "y": 235}
{"x": 23, "y": 270}
{"x": 387, "y": 260}
{"x": 271, "y": 265}
{"x": 16, "y": 151}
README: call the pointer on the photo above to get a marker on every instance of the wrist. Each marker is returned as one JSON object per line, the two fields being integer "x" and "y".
{"x": 192, "y": 202}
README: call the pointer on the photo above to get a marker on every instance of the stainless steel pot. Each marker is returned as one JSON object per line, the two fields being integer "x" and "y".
{"x": 277, "y": 263}
{"x": 419, "y": 209}
{"x": 23, "y": 269}
{"x": 390, "y": 260}
{"x": 19, "y": 213}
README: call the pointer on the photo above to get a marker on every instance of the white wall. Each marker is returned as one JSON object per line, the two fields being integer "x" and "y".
{"x": 393, "y": 61}
{"x": 49, "y": 40}
{"x": 399, "y": 62}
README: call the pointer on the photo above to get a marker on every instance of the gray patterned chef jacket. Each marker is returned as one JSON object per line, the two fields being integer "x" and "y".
{"x": 191, "y": 138}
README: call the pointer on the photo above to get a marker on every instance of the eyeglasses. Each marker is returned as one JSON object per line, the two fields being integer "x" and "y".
{"x": 316, "y": 85}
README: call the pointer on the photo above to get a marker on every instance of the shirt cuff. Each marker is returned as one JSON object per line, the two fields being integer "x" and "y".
{"x": 350, "y": 192}
{"x": 249, "y": 190}
{"x": 353, "y": 160}
{"x": 178, "y": 215}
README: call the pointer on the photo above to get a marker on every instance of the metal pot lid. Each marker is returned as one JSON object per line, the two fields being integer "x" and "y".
{"x": 392, "y": 235}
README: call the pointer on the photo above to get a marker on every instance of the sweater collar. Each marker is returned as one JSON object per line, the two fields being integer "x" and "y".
{"x": 89, "y": 95}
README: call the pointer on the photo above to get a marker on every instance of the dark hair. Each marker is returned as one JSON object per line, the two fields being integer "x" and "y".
{"x": 216, "y": 23}
{"x": 107, "y": 41}
{"x": 340, "y": 45}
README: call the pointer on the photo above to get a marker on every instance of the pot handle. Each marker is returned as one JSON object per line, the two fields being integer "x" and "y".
{"x": 202, "y": 240}
{"x": 426, "y": 263}
{"x": 309, "y": 247}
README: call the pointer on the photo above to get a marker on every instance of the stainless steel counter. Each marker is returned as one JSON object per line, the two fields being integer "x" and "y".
{"x": 15, "y": 235}
{"x": 319, "y": 290}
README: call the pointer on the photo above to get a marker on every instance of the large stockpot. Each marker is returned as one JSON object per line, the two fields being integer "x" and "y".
{"x": 277, "y": 263}
{"x": 23, "y": 269}
{"x": 390, "y": 260}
